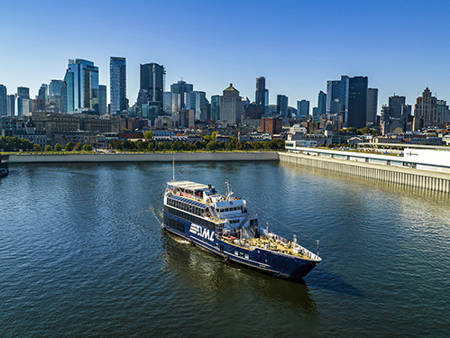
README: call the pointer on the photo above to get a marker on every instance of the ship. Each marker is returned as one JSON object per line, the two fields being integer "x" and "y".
{"x": 3, "y": 166}
{"x": 222, "y": 225}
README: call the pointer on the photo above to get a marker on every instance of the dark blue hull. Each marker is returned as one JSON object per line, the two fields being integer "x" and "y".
{"x": 278, "y": 264}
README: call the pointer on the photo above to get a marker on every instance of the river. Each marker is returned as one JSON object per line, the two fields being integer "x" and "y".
{"x": 82, "y": 253}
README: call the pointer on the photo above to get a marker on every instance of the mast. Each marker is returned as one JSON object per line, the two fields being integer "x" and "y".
{"x": 173, "y": 168}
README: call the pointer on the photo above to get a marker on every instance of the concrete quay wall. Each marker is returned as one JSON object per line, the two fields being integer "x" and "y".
{"x": 407, "y": 176}
{"x": 145, "y": 157}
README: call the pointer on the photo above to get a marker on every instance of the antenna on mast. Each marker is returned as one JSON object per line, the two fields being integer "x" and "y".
{"x": 173, "y": 167}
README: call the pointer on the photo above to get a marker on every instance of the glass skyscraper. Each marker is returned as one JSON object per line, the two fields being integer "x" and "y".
{"x": 303, "y": 109}
{"x": 215, "y": 107}
{"x": 181, "y": 87}
{"x": 357, "y": 102}
{"x": 102, "y": 100}
{"x": 11, "y": 105}
{"x": 82, "y": 85}
{"x": 152, "y": 80}
{"x": 282, "y": 105}
{"x": 23, "y": 101}
{"x": 3, "y": 101}
{"x": 321, "y": 103}
{"x": 117, "y": 84}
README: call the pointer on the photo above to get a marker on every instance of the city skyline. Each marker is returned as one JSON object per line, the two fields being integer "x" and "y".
{"x": 387, "y": 53}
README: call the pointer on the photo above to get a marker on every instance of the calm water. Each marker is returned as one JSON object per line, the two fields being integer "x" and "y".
{"x": 82, "y": 253}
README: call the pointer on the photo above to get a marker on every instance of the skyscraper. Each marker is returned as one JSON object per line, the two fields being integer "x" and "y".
{"x": 372, "y": 105}
{"x": 82, "y": 85}
{"x": 172, "y": 103}
{"x": 303, "y": 109}
{"x": 11, "y": 105}
{"x": 357, "y": 102}
{"x": 41, "y": 99}
{"x": 260, "y": 94}
{"x": 23, "y": 92}
{"x": 337, "y": 96}
{"x": 322, "y": 103}
{"x": 426, "y": 112}
{"x": 230, "y": 106}
{"x": 23, "y": 101}
{"x": 3, "y": 101}
{"x": 181, "y": 87}
{"x": 152, "y": 80}
{"x": 102, "y": 100}
{"x": 282, "y": 105}
{"x": 196, "y": 100}
{"x": 395, "y": 116}
{"x": 57, "y": 96}
{"x": 215, "y": 107}
{"x": 117, "y": 84}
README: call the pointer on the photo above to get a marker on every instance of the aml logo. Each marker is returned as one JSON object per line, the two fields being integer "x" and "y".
{"x": 202, "y": 232}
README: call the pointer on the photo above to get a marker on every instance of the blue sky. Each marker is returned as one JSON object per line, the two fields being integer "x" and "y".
{"x": 402, "y": 46}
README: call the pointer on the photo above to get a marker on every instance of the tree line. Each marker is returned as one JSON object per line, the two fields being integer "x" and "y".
{"x": 13, "y": 143}
{"x": 208, "y": 142}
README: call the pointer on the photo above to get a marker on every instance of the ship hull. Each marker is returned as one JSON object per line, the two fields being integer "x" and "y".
{"x": 277, "y": 264}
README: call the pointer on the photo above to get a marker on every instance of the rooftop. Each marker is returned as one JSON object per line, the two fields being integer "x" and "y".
{"x": 188, "y": 185}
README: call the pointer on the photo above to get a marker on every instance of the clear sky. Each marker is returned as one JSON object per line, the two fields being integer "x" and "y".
{"x": 402, "y": 46}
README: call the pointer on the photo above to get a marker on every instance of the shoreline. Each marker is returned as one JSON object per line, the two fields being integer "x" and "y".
{"x": 144, "y": 157}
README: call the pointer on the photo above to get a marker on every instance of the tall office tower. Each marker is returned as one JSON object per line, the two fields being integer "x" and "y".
{"x": 372, "y": 105}
{"x": 315, "y": 114}
{"x": 11, "y": 105}
{"x": 196, "y": 100}
{"x": 43, "y": 92}
{"x": 117, "y": 84}
{"x": 102, "y": 100}
{"x": 181, "y": 87}
{"x": 395, "y": 106}
{"x": 215, "y": 107}
{"x": 230, "y": 106}
{"x": 260, "y": 94}
{"x": 23, "y": 101}
{"x": 282, "y": 105}
{"x": 82, "y": 85}
{"x": 357, "y": 102}
{"x": 395, "y": 116}
{"x": 41, "y": 99}
{"x": 322, "y": 103}
{"x": 152, "y": 80}
{"x": 302, "y": 109}
{"x": 337, "y": 96}
{"x": 57, "y": 96}
{"x": 172, "y": 102}
{"x": 443, "y": 111}
{"x": 3, "y": 101}
{"x": 426, "y": 111}
{"x": 23, "y": 92}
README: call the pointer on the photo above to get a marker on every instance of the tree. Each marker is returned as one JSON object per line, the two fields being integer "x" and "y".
{"x": 48, "y": 147}
{"x": 87, "y": 147}
{"x": 37, "y": 147}
{"x": 148, "y": 135}
{"x": 211, "y": 145}
{"x": 69, "y": 146}
{"x": 57, "y": 147}
{"x": 151, "y": 146}
{"x": 77, "y": 147}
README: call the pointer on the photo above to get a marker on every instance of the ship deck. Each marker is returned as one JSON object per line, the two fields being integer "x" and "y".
{"x": 276, "y": 246}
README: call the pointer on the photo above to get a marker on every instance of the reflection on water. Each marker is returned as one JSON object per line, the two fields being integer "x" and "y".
{"x": 200, "y": 269}
{"x": 435, "y": 197}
